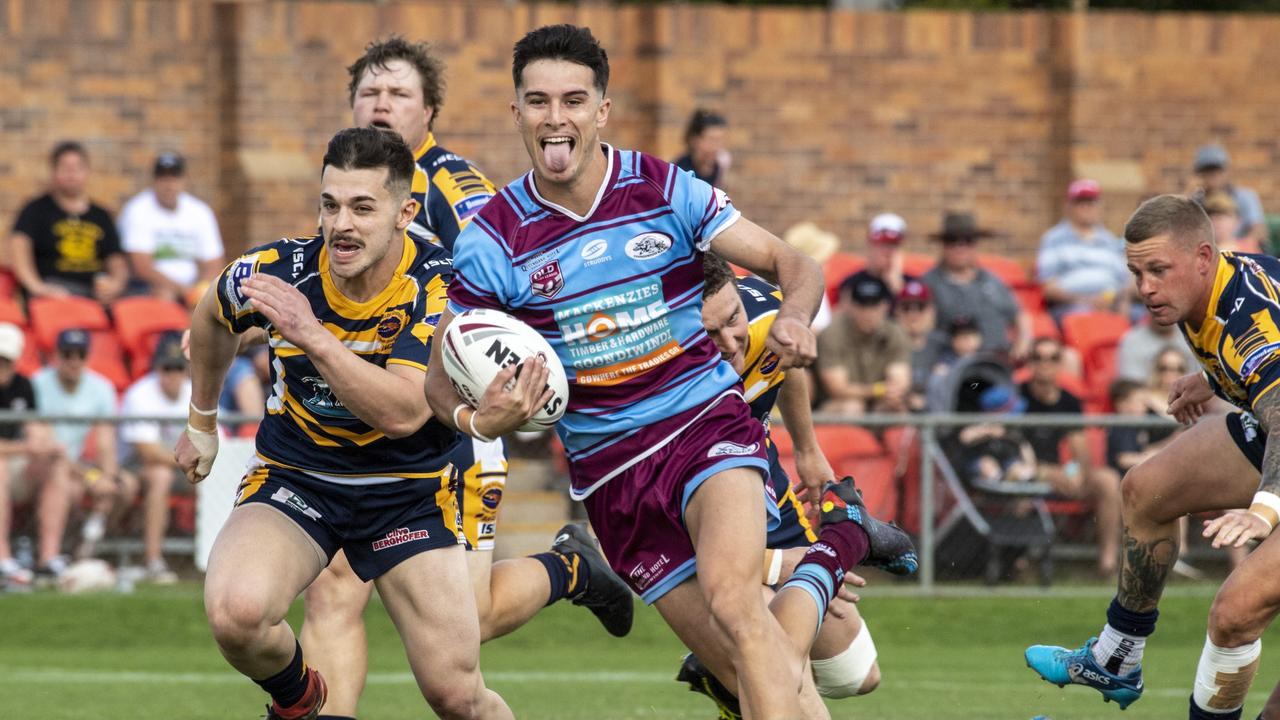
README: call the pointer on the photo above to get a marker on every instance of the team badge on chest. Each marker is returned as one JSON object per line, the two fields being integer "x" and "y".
{"x": 389, "y": 327}
{"x": 547, "y": 280}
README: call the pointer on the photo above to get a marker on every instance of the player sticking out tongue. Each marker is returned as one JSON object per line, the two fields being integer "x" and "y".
{"x": 556, "y": 151}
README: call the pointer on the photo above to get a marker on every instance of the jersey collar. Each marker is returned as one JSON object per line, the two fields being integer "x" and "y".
{"x": 426, "y": 145}
{"x": 1221, "y": 278}
{"x": 605, "y": 184}
{"x": 347, "y": 307}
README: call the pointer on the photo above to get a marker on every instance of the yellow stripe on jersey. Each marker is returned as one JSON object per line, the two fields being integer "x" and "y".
{"x": 305, "y": 420}
{"x": 400, "y": 290}
{"x": 251, "y": 483}
{"x": 445, "y": 474}
{"x": 760, "y": 367}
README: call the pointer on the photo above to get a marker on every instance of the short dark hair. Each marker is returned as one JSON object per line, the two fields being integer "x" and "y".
{"x": 1122, "y": 389}
{"x": 418, "y": 54}
{"x": 701, "y": 121}
{"x": 68, "y": 146}
{"x": 366, "y": 148}
{"x": 716, "y": 273}
{"x": 561, "y": 42}
{"x": 1178, "y": 215}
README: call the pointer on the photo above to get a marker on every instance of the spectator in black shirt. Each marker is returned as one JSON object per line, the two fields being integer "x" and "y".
{"x": 1078, "y": 477}
{"x": 62, "y": 242}
{"x": 31, "y": 462}
{"x": 706, "y": 153}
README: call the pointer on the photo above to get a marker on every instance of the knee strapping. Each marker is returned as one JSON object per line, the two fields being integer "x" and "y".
{"x": 843, "y": 675}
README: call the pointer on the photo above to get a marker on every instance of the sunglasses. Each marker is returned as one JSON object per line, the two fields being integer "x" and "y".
{"x": 1171, "y": 368}
{"x": 1046, "y": 358}
{"x": 73, "y": 354}
{"x": 959, "y": 241}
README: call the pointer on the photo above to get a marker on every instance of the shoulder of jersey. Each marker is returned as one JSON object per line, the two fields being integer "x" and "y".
{"x": 758, "y": 296}
{"x": 429, "y": 258}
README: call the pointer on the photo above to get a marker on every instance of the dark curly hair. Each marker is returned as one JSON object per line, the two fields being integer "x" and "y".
{"x": 430, "y": 68}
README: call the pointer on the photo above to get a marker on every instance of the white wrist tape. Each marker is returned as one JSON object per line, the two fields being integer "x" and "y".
{"x": 457, "y": 425}
{"x": 775, "y": 567}
{"x": 476, "y": 433}
{"x": 205, "y": 413}
{"x": 206, "y": 443}
{"x": 1263, "y": 502}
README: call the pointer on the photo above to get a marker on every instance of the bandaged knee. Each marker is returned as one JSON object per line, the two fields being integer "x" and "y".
{"x": 843, "y": 675}
{"x": 1224, "y": 675}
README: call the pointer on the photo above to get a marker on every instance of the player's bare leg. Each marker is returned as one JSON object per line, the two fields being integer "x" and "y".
{"x": 441, "y": 633}
{"x": 261, "y": 561}
{"x": 1174, "y": 482}
{"x": 333, "y": 633}
{"x": 1243, "y": 608}
{"x": 508, "y": 593}
{"x": 843, "y": 655}
{"x": 726, "y": 521}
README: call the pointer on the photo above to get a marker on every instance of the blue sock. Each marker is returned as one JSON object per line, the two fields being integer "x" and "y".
{"x": 1195, "y": 713}
{"x": 289, "y": 685}
{"x": 1130, "y": 622}
{"x": 568, "y": 574}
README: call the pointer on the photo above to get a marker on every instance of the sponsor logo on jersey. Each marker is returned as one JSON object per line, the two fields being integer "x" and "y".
{"x": 1257, "y": 358}
{"x": 648, "y": 245}
{"x": 724, "y": 448}
{"x": 287, "y": 497}
{"x": 547, "y": 281}
{"x": 321, "y": 399}
{"x": 241, "y": 270}
{"x": 399, "y": 536}
{"x": 594, "y": 252}
{"x": 469, "y": 206}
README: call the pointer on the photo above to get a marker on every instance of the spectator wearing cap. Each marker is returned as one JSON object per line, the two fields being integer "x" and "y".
{"x": 31, "y": 465}
{"x": 961, "y": 287}
{"x": 170, "y": 235}
{"x": 864, "y": 358}
{"x": 820, "y": 245}
{"x": 1079, "y": 477}
{"x": 1224, "y": 213}
{"x": 163, "y": 392}
{"x": 1211, "y": 169}
{"x": 1081, "y": 264}
{"x": 706, "y": 147}
{"x": 62, "y": 242}
{"x": 69, "y": 388}
{"x": 915, "y": 314}
{"x": 884, "y": 252}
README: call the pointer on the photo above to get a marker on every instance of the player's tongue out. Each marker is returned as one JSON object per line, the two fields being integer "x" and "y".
{"x": 555, "y": 154}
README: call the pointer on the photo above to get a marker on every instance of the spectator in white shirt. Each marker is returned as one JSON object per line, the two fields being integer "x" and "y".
{"x": 163, "y": 392}
{"x": 171, "y": 236}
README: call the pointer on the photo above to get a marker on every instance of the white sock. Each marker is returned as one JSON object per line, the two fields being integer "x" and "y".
{"x": 1118, "y": 653}
{"x": 1224, "y": 675}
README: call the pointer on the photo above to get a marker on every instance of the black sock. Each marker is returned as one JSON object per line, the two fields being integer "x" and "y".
{"x": 568, "y": 573}
{"x": 289, "y": 685}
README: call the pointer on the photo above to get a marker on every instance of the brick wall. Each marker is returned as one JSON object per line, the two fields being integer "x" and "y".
{"x": 834, "y": 115}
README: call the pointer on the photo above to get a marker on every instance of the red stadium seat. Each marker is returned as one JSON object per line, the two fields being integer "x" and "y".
{"x": 1043, "y": 326}
{"x": 30, "y": 361}
{"x": 1012, "y": 272}
{"x": 51, "y": 315}
{"x": 12, "y": 312}
{"x": 851, "y": 451}
{"x": 106, "y": 358}
{"x": 917, "y": 265}
{"x": 1100, "y": 369}
{"x": 1030, "y": 298}
{"x": 8, "y": 284}
{"x": 838, "y": 267}
{"x": 140, "y": 321}
{"x": 1085, "y": 331}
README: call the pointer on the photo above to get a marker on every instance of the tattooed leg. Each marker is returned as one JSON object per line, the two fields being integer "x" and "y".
{"x": 1145, "y": 565}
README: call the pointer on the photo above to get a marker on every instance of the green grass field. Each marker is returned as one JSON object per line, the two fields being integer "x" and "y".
{"x": 149, "y": 655}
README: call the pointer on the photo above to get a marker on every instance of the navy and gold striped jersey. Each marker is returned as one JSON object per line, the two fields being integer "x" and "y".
{"x": 1238, "y": 344}
{"x": 449, "y": 191}
{"x": 306, "y": 426}
{"x": 761, "y": 371}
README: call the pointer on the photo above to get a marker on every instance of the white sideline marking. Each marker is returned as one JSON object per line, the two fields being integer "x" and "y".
{"x": 15, "y": 676}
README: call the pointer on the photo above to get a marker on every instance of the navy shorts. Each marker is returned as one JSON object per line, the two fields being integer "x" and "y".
{"x": 793, "y": 528}
{"x": 379, "y": 526}
{"x": 1248, "y": 436}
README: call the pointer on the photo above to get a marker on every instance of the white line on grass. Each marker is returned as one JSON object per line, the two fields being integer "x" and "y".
{"x": 58, "y": 676}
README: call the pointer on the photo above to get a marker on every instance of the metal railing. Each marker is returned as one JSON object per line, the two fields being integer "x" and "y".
{"x": 928, "y": 426}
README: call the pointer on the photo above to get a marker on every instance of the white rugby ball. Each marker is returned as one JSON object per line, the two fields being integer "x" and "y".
{"x": 479, "y": 343}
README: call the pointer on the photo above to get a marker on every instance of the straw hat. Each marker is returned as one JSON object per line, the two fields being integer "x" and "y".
{"x": 812, "y": 241}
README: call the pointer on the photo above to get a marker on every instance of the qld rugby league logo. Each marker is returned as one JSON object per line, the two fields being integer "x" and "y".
{"x": 547, "y": 280}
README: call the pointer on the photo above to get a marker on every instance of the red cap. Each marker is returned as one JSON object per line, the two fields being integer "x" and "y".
{"x": 1084, "y": 189}
{"x": 915, "y": 291}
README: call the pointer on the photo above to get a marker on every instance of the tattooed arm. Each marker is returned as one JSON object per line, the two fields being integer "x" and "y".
{"x": 1235, "y": 529}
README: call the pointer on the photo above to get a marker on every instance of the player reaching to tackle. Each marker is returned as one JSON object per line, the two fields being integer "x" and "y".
{"x": 600, "y": 251}
{"x": 738, "y": 313}
{"x": 1227, "y": 306}
{"x": 348, "y": 456}
{"x": 398, "y": 86}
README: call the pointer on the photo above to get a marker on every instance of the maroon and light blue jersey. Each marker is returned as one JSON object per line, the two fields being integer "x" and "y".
{"x": 617, "y": 293}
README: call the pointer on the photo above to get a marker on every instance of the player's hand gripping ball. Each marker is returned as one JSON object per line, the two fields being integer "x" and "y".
{"x": 480, "y": 343}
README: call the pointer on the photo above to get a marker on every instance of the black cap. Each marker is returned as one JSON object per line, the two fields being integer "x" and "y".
{"x": 169, "y": 352}
{"x": 866, "y": 289}
{"x": 170, "y": 163}
{"x": 73, "y": 339}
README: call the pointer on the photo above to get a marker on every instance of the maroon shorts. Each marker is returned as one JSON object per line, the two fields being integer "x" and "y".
{"x": 639, "y": 513}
